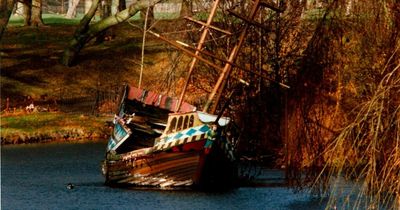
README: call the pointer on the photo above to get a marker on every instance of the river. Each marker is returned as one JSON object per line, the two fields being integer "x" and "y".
{"x": 35, "y": 177}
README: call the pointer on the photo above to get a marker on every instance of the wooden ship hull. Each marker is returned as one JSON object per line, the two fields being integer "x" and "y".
{"x": 152, "y": 147}
{"x": 162, "y": 142}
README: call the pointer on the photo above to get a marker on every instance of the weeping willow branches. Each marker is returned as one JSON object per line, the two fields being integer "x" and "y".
{"x": 368, "y": 149}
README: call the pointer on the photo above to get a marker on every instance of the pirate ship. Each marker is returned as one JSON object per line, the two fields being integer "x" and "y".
{"x": 159, "y": 141}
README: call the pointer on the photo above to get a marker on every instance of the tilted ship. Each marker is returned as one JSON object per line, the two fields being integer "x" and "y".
{"x": 152, "y": 146}
{"x": 163, "y": 142}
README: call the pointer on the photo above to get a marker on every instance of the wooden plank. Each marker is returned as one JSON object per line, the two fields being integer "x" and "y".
{"x": 156, "y": 168}
{"x": 173, "y": 173}
{"x": 163, "y": 172}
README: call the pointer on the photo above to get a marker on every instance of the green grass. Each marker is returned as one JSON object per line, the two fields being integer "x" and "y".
{"x": 48, "y": 19}
{"x": 23, "y": 127}
{"x": 35, "y": 121}
{"x": 59, "y": 20}
{"x": 166, "y": 16}
{"x": 16, "y": 21}
{"x": 31, "y": 68}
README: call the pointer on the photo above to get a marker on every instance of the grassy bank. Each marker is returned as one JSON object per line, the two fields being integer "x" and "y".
{"x": 46, "y": 126}
{"x": 31, "y": 72}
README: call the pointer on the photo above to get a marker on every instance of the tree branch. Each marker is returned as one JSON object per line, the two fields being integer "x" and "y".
{"x": 85, "y": 33}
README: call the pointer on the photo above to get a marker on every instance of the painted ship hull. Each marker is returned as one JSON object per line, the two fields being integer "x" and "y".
{"x": 168, "y": 150}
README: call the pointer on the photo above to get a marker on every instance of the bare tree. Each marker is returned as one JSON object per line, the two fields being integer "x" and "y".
{"x": 27, "y": 9}
{"x": 121, "y": 5}
{"x": 105, "y": 11}
{"x": 72, "y": 5}
{"x": 33, "y": 12}
{"x": 85, "y": 33}
{"x": 36, "y": 18}
{"x": 6, "y": 7}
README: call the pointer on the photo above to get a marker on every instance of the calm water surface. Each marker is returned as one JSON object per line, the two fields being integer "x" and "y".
{"x": 35, "y": 177}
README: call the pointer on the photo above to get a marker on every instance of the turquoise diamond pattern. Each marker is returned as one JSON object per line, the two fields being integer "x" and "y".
{"x": 194, "y": 131}
{"x": 191, "y": 131}
{"x": 204, "y": 129}
{"x": 178, "y": 136}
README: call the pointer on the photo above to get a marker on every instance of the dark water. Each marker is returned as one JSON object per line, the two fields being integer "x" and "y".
{"x": 35, "y": 177}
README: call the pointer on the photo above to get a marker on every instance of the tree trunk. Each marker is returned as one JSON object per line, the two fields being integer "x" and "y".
{"x": 85, "y": 33}
{"x": 114, "y": 7}
{"x": 121, "y": 5}
{"x": 27, "y": 12}
{"x": 75, "y": 44}
{"x": 87, "y": 5}
{"x": 105, "y": 11}
{"x": 36, "y": 19}
{"x": 19, "y": 9}
{"x": 72, "y": 5}
{"x": 6, "y": 7}
{"x": 186, "y": 8}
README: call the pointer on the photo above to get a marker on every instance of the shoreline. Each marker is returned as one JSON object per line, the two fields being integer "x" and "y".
{"x": 52, "y": 127}
{"x": 58, "y": 141}
{"x": 49, "y": 138}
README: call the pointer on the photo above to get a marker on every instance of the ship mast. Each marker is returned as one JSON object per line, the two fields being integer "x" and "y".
{"x": 198, "y": 49}
{"x": 215, "y": 95}
{"x": 219, "y": 86}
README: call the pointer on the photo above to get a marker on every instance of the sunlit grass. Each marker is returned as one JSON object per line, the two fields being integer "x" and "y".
{"x": 16, "y": 21}
{"x": 22, "y": 126}
{"x": 59, "y": 19}
{"x": 48, "y": 19}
